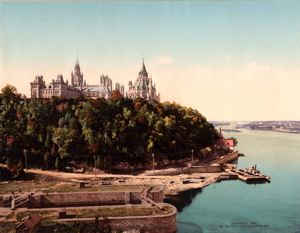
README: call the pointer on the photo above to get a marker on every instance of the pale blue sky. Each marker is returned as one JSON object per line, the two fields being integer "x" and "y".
{"x": 246, "y": 53}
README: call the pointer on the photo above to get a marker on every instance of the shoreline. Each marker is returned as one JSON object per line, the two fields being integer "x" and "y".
{"x": 175, "y": 180}
{"x": 174, "y": 184}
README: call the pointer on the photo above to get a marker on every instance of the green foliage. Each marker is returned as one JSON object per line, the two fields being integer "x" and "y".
{"x": 57, "y": 131}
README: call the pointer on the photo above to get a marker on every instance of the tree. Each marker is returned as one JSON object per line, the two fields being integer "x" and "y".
{"x": 62, "y": 137}
{"x": 115, "y": 130}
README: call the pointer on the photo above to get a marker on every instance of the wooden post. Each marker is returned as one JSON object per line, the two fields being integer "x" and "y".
{"x": 25, "y": 154}
{"x": 152, "y": 161}
{"x": 95, "y": 167}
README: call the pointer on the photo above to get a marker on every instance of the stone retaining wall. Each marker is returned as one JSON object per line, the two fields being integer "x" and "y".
{"x": 156, "y": 194}
{"x": 150, "y": 224}
{"x": 45, "y": 200}
{"x": 203, "y": 169}
{"x": 229, "y": 158}
{"x": 188, "y": 170}
{"x": 93, "y": 198}
{"x": 77, "y": 199}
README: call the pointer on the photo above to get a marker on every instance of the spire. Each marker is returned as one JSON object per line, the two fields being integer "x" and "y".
{"x": 143, "y": 67}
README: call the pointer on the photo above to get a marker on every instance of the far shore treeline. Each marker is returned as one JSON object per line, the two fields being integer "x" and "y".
{"x": 50, "y": 133}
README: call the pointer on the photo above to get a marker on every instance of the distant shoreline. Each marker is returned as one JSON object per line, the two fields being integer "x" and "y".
{"x": 270, "y": 130}
{"x": 272, "y": 126}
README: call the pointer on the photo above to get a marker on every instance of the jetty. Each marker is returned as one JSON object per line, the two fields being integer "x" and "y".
{"x": 250, "y": 175}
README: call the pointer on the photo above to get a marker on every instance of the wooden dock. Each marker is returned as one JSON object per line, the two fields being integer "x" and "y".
{"x": 249, "y": 177}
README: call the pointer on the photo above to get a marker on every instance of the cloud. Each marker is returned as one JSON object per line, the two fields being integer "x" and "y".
{"x": 163, "y": 60}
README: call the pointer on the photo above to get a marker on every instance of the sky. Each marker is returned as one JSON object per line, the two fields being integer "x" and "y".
{"x": 230, "y": 60}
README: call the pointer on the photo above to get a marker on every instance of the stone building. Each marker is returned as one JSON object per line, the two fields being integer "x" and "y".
{"x": 143, "y": 86}
{"x": 79, "y": 87}
{"x": 103, "y": 90}
{"x": 77, "y": 76}
{"x": 58, "y": 87}
{"x": 120, "y": 88}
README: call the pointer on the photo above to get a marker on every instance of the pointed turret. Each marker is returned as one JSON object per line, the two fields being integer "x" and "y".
{"x": 143, "y": 86}
{"x": 76, "y": 75}
{"x": 143, "y": 67}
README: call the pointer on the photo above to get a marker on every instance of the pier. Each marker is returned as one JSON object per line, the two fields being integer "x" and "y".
{"x": 250, "y": 175}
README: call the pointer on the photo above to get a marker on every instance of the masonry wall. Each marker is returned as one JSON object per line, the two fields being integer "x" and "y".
{"x": 203, "y": 169}
{"x": 77, "y": 199}
{"x": 135, "y": 197}
{"x": 229, "y": 158}
{"x": 92, "y": 198}
{"x": 157, "y": 194}
{"x": 150, "y": 224}
{"x": 188, "y": 170}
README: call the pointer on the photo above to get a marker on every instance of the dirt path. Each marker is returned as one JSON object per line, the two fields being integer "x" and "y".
{"x": 66, "y": 175}
{"x": 173, "y": 184}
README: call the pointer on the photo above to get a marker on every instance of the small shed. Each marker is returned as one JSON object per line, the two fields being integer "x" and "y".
{"x": 205, "y": 152}
{"x": 30, "y": 225}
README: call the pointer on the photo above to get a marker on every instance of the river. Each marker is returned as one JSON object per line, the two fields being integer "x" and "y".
{"x": 237, "y": 207}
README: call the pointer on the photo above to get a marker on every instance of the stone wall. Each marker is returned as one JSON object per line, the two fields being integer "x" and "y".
{"x": 93, "y": 198}
{"x": 150, "y": 224}
{"x": 229, "y": 158}
{"x": 157, "y": 194}
{"x": 135, "y": 197}
{"x": 77, "y": 199}
{"x": 188, "y": 170}
{"x": 203, "y": 169}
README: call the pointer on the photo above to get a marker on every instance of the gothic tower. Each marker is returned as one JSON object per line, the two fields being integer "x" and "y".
{"x": 143, "y": 86}
{"x": 77, "y": 76}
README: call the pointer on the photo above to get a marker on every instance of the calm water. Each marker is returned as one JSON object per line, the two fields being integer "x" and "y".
{"x": 233, "y": 206}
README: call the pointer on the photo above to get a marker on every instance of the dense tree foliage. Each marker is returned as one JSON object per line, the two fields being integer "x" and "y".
{"x": 51, "y": 133}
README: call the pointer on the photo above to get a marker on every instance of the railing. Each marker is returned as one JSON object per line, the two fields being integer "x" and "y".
{"x": 17, "y": 202}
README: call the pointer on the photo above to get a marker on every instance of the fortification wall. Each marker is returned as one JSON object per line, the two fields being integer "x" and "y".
{"x": 77, "y": 199}
{"x": 157, "y": 194}
{"x": 150, "y": 224}
{"x": 42, "y": 200}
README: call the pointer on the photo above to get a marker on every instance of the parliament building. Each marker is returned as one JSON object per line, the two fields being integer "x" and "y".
{"x": 143, "y": 87}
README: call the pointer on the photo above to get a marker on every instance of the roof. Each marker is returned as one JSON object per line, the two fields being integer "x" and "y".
{"x": 77, "y": 62}
{"x": 143, "y": 68}
{"x": 30, "y": 222}
{"x": 96, "y": 88}
{"x": 142, "y": 82}
{"x": 206, "y": 151}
